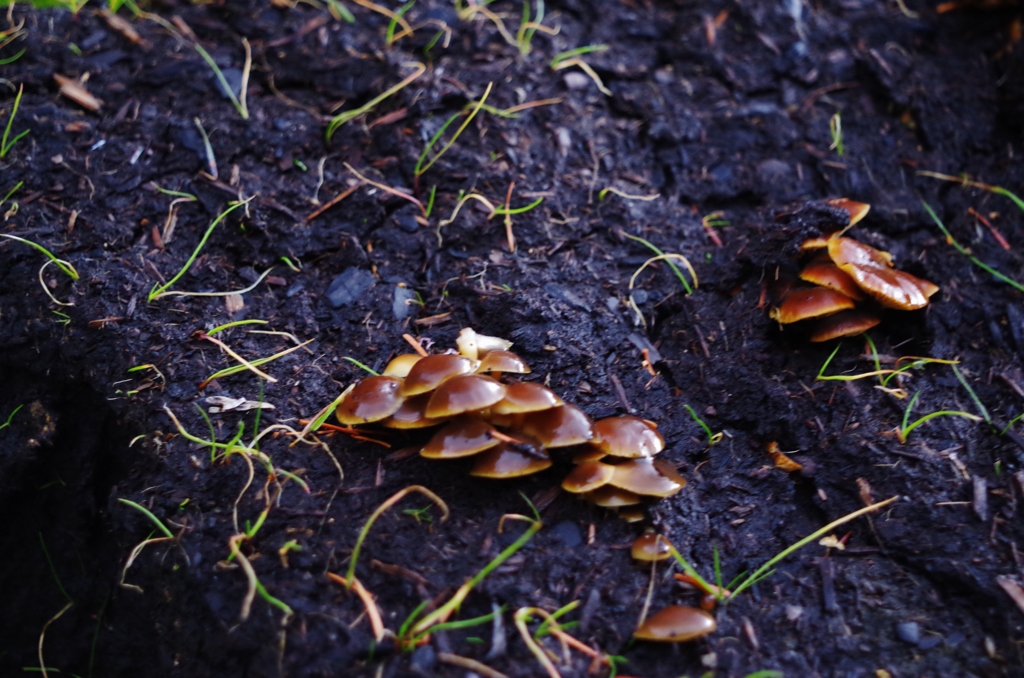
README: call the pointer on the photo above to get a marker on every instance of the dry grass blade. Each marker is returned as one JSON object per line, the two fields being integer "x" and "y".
{"x": 74, "y": 89}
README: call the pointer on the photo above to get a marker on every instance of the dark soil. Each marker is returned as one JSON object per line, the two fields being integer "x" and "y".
{"x": 714, "y": 106}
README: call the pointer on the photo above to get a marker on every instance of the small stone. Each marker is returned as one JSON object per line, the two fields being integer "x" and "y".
{"x": 909, "y": 632}
{"x": 349, "y": 286}
{"x": 574, "y": 80}
{"x": 929, "y": 641}
{"x": 568, "y": 533}
{"x": 423, "y": 661}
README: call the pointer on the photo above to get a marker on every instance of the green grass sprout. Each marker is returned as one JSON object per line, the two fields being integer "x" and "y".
{"x": 964, "y": 181}
{"x": 671, "y": 264}
{"x": 237, "y": 323}
{"x": 362, "y": 366}
{"x": 528, "y": 27}
{"x": 622, "y": 194}
{"x": 1003, "y": 432}
{"x": 158, "y": 291}
{"x": 442, "y": 613}
{"x": 835, "y": 130}
{"x": 423, "y": 164}
{"x": 974, "y": 396}
{"x": 255, "y": 586}
{"x": 394, "y": 499}
{"x": 342, "y": 118}
{"x": 903, "y": 432}
{"x": 163, "y": 529}
{"x": 176, "y": 194}
{"x": 14, "y": 205}
{"x": 964, "y": 251}
{"x": 63, "y": 265}
{"x": 10, "y": 417}
{"x": 53, "y": 569}
{"x": 764, "y": 570}
{"x": 149, "y": 514}
{"x": 5, "y": 145}
{"x": 389, "y": 35}
{"x": 713, "y": 438}
{"x": 577, "y": 52}
{"x": 239, "y": 102}
{"x": 250, "y": 364}
{"x": 339, "y": 11}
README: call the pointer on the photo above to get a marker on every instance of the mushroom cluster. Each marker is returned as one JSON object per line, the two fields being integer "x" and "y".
{"x": 844, "y": 273}
{"x": 509, "y": 426}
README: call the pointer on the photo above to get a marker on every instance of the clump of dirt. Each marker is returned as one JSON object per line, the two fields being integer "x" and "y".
{"x": 712, "y": 131}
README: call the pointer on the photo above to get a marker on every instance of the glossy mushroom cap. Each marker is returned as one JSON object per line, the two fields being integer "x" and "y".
{"x": 870, "y": 269}
{"x": 676, "y": 624}
{"x": 503, "y": 361}
{"x": 433, "y": 370}
{"x": 827, "y": 274}
{"x": 843, "y": 324}
{"x": 401, "y": 364}
{"x": 648, "y": 477}
{"x": 510, "y": 461}
{"x": 613, "y": 497}
{"x": 526, "y": 397}
{"x": 650, "y": 546}
{"x": 559, "y": 426}
{"x": 464, "y": 393}
{"x": 463, "y": 437}
{"x": 855, "y": 210}
{"x": 629, "y": 437}
{"x": 372, "y": 399}
{"x": 810, "y": 303}
{"x": 473, "y": 345}
{"x": 588, "y": 476}
{"x": 632, "y": 514}
{"x": 411, "y": 414}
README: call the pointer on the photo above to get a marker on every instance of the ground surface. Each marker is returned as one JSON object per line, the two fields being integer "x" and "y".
{"x": 716, "y": 106}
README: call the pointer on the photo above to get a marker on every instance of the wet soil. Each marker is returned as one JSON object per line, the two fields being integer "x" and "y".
{"x": 711, "y": 107}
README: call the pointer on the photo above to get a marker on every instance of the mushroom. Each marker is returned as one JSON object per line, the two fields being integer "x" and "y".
{"x": 526, "y": 396}
{"x": 629, "y": 437}
{"x": 464, "y": 393}
{"x": 676, "y": 624}
{"x": 559, "y": 426}
{"x": 411, "y": 414}
{"x": 473, "y": 345}
{"x": 401, "y": 364}
{"x": 647, "y": 477}
{"x": 613, "y": 497}
{"x": 871, "y": 270}
{"x": 372, "y": 399}
{"x": 651, "y": 546}
{"x": 827, "y": 274}
{"x": 588, "y": 477}
{"x": 503, "y": 361}
{"x": 815, "y": 302}
{"x": 508, "y": 460}
{"x": 632, "y": 514}
{"x": 433, "y": 370}
{"x": 843, "y": 324}
{"x": 589, "y": 452}
{"x": 855, "y": 210}
{"x": 463, "y": 437}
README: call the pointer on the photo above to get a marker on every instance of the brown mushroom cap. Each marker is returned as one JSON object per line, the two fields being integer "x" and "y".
{"x": 372, "y": 399}
{"x": 810, "y": 303}
{"x": 843, "y": 324}
{"x": 650, "y": 546}
{"x": 810, "y": 244}
{"x": 463, "y": 437}
{"x": 503, "y": 361}
{"x": 629, "y": 437}
{"x": 401, "y": 364}
{"x": 648, "y": 477}
{"x": 411, "y": 414}
{"x": 856, "y": 210}
{"x": 508, "y": 461}
{"x": 632, "y": 514}
{"x": 525, "y": 397}
{"x": 613, "y": 497}
{"x": 464, "y": 393}
{"x": 870, "y": 269}
{"x": 587, "y": 477}
{"x": 676, "y": 624}
{"x": 831, "y": 276}
{"x": 433, "y": 370}
{"x": 559, "y": 426}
